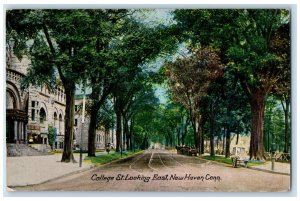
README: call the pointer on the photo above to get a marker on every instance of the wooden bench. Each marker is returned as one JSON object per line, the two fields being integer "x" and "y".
{"x": 237, "y": 162}
{"x": 238, "y": 156}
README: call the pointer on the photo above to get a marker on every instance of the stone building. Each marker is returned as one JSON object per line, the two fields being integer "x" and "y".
{"x": 30, "y": 112}
{"x": 102, "y": 137}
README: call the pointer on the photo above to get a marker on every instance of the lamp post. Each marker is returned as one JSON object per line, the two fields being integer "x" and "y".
{"x": 82, "y": 124}
{"x": 273, "y": 150}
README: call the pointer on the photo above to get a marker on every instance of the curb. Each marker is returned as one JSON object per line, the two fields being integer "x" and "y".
{"x": 269, "y": 171}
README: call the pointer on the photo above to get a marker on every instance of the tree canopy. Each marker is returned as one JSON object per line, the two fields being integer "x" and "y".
{"x": 231, "y": 57}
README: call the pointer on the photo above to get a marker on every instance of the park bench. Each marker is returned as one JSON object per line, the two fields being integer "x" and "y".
{"x": 238, "y": 156}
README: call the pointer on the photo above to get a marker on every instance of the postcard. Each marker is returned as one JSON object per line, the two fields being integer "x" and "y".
{"x": 148, "y": 100}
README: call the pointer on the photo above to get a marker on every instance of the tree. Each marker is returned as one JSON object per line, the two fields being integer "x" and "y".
{"x": 146, "y": 108}
{"x": 52, "y": 135}
{"x": 60, "y": 47}
{"x": 245, "y": 40}
{"x": 189, "y": 79}
{"x": 105, "y": 118}
{"x": 139, "y": 44}
{"x": 102, "y": 69}
{"x": 280, "y": 44}
{"x": 210, "y": 106}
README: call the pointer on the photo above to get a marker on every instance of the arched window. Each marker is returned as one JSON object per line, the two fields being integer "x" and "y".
{"x": 10, "y": 101}
{"x": 60, "y": 126}
{"x": 55, "y": 120}
{"x": 42, "y": 115}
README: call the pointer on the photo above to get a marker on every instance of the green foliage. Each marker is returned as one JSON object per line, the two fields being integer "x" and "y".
{"x": 274, "y": 124}
{"x": 222, "y": 159}
{"x": 105, "y": 116}
{"x": 52, "y": 133}
{"x": 229, "y": 51}
{"x": 243, "y": 36}
{"x": 254, "y": 47}
{"x": 189, "y": 139}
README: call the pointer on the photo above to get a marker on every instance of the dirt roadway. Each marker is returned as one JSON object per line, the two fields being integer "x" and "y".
{"x": 158, "y": 170}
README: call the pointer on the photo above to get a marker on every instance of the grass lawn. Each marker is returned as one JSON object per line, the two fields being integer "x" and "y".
{"x": 222, "y": 159}
{"x": 101, "y": 159}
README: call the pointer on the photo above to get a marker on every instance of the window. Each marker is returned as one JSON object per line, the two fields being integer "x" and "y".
{"x": 55, "y": 116}
{"x": 76, "y": 108}
{"x": 42, "y": 115}
{"x": 75, "y": 123}
{"x": 33, "y": 114}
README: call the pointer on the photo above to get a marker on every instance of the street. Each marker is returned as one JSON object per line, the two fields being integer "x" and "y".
{"x": 160, "y": 170}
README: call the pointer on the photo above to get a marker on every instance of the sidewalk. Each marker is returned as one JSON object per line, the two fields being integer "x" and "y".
{"x": 280, "y": 168}
{"x": 28, "y": 170}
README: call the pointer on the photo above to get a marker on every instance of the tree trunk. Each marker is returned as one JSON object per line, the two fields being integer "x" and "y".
{"x": 237, "y": 133}
{"x": 92, "y": 129}
{"x": 211, "y": 137}
{"x": 118, "y": 131}
{"x": 184, "y": 132}
{"x": 286, "y": 124}
{"x": 227, "y": 149}
{"x": 171, "y": 139}
{"x": 200, "y": 133}
{"x": 257, "y": 104}
{"x": 67, "y": 155}
{"x": 106, "y": 136}
{"x": 269, "y": 129}
{"x": 228, "y": 131}
{"x": 202, "y": 142}
{"x": 145, "y": 143}
{"x": 194, "y": 126}
{"x": 202, "y": 123}
{"x": 123, "y": 134}
{"x": 212, "y": 129}
{"x": 196, "y": 137}
{"x": 131, "y": 133}
{"x": 223, "y": 150}
{"x": 178, "y": 136}
{"x": 126, "y": 132}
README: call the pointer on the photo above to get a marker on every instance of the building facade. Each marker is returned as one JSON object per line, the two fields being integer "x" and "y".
{"x": 30, "y": 112}
{"x": 81, "y": 129}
